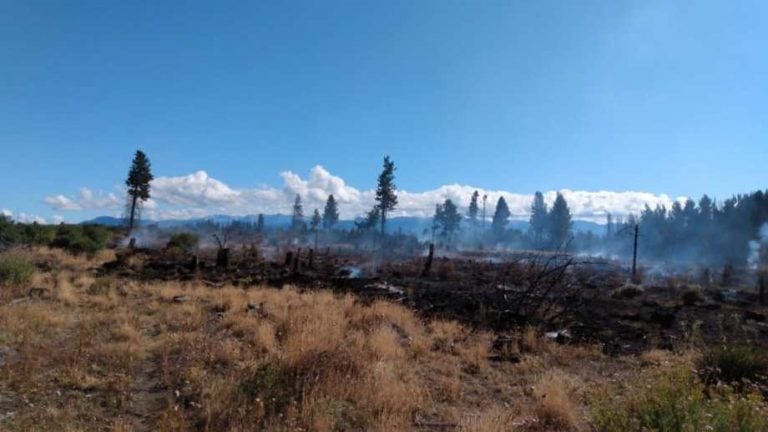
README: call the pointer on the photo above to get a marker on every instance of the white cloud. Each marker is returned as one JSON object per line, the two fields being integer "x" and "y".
{"x": 29, "y": 218}
{"x": 86, "y": 199}
{"x": 198, "y": 195}
{"x": 197, "y": 189}
{"x": 60, "y": 202}
{"x": 22, "y": 217}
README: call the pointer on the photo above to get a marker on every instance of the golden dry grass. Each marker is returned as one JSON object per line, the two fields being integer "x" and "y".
{"x": 100, "y": 353}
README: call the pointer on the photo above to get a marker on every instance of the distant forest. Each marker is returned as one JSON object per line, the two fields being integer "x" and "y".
{"x": 707, "y": 233}
{"x": 734, "y": 232}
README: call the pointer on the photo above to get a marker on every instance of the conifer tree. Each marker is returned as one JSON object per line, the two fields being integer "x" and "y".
{"x": 560, "y": 222}
{"x": 260, "y": 223}
{"x": 447, "y": 218}
{"x": 474, "y": 209}
{"x": 316, "y": 220}
{"x": 297, "y": 220}
{"x": 315, "y": 224}
{"x": 139, "y": 177}
{"x": 331, "y": 213}
{"x": 539, "y": 219}
{"x": 370, "y": 221}
{"x": 386, "y": 195}
{"x": 500, "y": 217}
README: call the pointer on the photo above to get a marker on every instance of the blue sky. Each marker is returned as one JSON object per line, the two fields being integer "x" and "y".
{"x": 661, "y": 97}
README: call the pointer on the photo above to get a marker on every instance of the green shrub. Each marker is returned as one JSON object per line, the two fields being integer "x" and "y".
{"x": 33, "y": 234}
{"x": 183, "y": 241}
{"x": 676, "y": 401}
{"x": 36, "y": 234}
{"x": 272, "y": 383}
{"x": 628, "y": 291}
{"x": 81, "y": 238}
{"x": 15, "y": 270}
{"x": 734, "y": 365}
{"x": 691, "y": 295}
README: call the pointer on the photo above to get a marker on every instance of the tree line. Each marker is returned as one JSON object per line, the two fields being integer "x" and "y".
{"x": 730, "y": 233}
{"x": 703, "y": 232}
{"x": 549, "y": 228}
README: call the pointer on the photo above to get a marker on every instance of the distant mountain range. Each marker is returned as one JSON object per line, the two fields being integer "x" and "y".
{"x": 408, "y": 225}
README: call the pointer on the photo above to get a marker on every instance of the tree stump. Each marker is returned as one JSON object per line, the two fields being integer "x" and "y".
{"x": 222, "y": 258}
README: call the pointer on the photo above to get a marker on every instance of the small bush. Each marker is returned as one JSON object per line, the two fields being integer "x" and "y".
{"x": 183, "y": 241}
{"x": 628, "y": 291}
{"x": 88, "y": 239}
{"x": 556, "y": 401}
{"x": 691, "y": 295}
{"x": 271, "y": 384}
{"x": 100, "y": 286}
{"x": 677, "y": 401}
{"x": 446, "y": 270}
{"x": 734, "y": 365}
{"x": 15, "y": 270}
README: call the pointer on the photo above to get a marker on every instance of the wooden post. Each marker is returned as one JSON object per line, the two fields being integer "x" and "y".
{"x": 296, "y": 260}
{"x": 428, "y": 263}
{"x": 311, "y": 258}
{"x": 288, "y": 259}
{"x": 634, "y": 254}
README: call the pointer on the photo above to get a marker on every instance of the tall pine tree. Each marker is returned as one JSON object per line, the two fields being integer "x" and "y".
{"x": 315, "y": 224}
{"x": 386, "y": 195}
{"x": 297, "y": 220}
{"x": 139, "y": 177}
{"x": 539, "y": 219}
{"x": 474, "y": 209}
{"x": 260, "y": 224}
{"x": 500, "y": 217}
{"x": 330, "y": 213}
{"x": 449, "y": 220}
{"x": 315, "y": 221}
{"x": 560, "y": 222}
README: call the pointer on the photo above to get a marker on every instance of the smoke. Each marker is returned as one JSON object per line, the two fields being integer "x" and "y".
{"x": 758, "y": 247}
{"x": 144, "y": 239}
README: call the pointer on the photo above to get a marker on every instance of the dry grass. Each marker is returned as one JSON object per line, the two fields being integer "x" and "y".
{"x": 95, "y": 353}
{"x": 557, "y": 404}
{"x": 109, "y": 354}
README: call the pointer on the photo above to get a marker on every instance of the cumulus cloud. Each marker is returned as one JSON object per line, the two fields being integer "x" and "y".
{"x": 86, "y": 199}
{"x": 29, "y": 218}
{"x": 196, "y": 189}
{"x": 198, "y": 195}
{"x": 22, "y": 217}
{"x": 60, "y": 202}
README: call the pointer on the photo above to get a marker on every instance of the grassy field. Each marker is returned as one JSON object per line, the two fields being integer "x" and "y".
{"x": 81, "y": 353}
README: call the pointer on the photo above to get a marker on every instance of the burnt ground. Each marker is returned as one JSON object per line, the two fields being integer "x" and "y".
{"x": 575, "y": 301}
